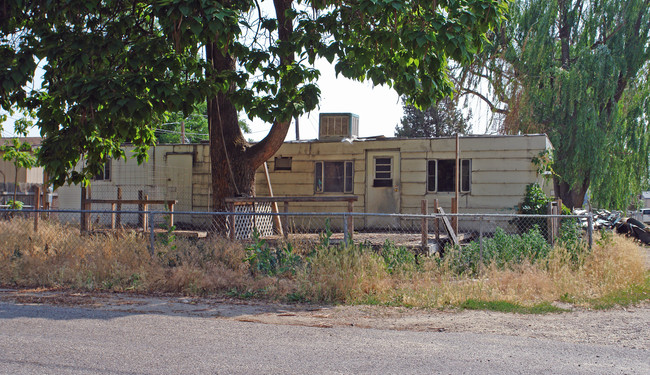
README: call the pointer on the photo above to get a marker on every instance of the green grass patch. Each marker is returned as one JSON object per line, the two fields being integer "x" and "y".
{"x": 509, "y": 307}
{"x": 624, "y": 297}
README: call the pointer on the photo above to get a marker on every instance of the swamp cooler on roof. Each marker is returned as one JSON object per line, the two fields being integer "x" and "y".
{"x": 336, "y": 126}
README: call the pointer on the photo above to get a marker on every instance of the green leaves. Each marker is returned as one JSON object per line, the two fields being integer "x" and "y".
{"x": 112, "y": 68}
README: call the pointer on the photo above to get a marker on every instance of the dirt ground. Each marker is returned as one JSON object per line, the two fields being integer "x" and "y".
{"x": 625, "y": 327}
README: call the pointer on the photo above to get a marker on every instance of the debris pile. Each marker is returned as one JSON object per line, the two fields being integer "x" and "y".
{"x": 614, "y": 220}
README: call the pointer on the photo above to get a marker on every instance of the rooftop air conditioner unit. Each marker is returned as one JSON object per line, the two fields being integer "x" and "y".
{"x": 336, "y": 126}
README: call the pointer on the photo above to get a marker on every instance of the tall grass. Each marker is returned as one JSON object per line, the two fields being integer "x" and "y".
{"x": 612, "y": 272}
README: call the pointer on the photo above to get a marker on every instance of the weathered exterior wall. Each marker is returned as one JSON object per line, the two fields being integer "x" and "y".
{"x": 30, "y": 176}
{"x": 501, "y": 168}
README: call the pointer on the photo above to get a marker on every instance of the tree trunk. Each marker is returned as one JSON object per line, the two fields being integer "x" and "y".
{"x": 233, "y": 159}
{"x": 572, "y": 198}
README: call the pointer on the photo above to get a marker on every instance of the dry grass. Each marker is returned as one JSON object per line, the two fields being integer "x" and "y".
{"x": 57, "y": 256}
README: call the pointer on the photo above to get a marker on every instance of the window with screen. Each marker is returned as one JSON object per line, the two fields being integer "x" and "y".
{"x": 105, "y": 174}
{"x": 333, "y": 177}
{"x": 441, "y": 175}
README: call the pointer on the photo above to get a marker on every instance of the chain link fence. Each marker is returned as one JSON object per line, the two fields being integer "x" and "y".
{"x": 427, "y": 234}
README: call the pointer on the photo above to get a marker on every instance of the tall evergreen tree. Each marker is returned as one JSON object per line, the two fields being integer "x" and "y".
{"x": 578, "y": 71}
{"x": 439, "y": 120}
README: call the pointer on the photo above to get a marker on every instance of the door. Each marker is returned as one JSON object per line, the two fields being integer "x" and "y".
{"x": 383, "y": 188}
{"x": 179, "y": 181}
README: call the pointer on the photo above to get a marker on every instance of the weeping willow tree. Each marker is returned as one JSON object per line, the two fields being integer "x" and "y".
{"x": 578, "y": 71}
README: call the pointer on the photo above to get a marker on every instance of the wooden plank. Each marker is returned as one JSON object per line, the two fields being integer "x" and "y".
{"x": 447, "y": 225}
{"x": 130, "y": 201}
{"x": 274, "y": 205}
{"x": 326, "y": 198}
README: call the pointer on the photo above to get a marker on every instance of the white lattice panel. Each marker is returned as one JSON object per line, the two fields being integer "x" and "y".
{"x": 245, "y": 224}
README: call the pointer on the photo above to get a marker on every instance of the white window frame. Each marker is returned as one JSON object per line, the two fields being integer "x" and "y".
{"x": 437, "y": 175}
{"x": 348, "y": 166}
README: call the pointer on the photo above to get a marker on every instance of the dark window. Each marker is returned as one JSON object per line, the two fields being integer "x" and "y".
{"x": 105, "y": 174}
{"x": 282, "y": 164}
{"x": 383, "y": 172}
{"x": 441, "y": 175}
{"x": 333, "y": 177}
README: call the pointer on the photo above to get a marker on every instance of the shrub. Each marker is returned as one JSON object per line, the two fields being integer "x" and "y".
{"x": 502, "y": 250}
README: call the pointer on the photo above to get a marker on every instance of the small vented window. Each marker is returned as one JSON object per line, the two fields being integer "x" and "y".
{"x": 383, "y": 172}
{"x": 282, "y": 164}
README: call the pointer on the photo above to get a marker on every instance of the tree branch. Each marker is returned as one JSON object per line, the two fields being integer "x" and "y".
{"x": 493, "y": 107}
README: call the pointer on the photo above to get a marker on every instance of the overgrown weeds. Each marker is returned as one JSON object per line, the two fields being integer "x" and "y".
{"x": 518, "y": 273}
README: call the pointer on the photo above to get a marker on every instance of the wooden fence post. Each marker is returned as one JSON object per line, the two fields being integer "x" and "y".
{"x": 436, "y": 221}
{"x": 285, "y": 222}
{"x": 140, "y": 208}
{"x": 118, "y": 218}
{"x": 170, "y": 205}
{"x": 37, "y": 206}
{"x": 233, "y": 235}
{"x": 145, "y": 217}
{"x": 454, "y": 210}
{"x": 82, "y": 217}
{"x": 424, "y": 208}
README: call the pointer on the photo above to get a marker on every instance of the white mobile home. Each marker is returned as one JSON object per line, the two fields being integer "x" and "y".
{"x": 388, "y": 175}
{"x": 391, "y": 175}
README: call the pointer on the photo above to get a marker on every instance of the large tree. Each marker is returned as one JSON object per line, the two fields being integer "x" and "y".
{"x": 578, "y": 71}
{"x": 110, "y": 66}
{"x": 439, "y": 120}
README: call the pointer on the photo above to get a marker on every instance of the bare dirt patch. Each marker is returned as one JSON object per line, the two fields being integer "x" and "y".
{"x": 625, "y": 327}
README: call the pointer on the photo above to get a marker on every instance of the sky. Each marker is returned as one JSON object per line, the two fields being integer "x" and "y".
{"x": 379, "y": 108}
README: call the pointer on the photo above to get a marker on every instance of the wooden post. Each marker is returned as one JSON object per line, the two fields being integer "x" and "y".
{"x": 232, "y": 222}
{"x": 436, "y": 221}
{"x": 454, "y": 210}
{"x": 140, "y": 208}
{"x": 285, "y": 222}
{"x": 82, "y": 217}
{"x": 550, "y": 224}
{"x": 46, "y": 190}
{"x": 113, "y": 216}
{"x": 424, "y": 208}
{"x": 274, "y": 205}
{"x": 351, "y": 220}
{"x": 118, "y": 218}
{"x": 89, "y": 207}
{"x": 145, "y": 217}
{"x": 37, "y": 206}
{"x": 454, "y": 201}
{"x": 170, "y": 204}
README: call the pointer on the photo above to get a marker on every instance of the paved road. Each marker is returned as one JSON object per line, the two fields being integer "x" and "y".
{"x": 43, "y": 339}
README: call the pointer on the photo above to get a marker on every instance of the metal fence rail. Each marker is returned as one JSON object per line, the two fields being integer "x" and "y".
{"x": 425, "y": 233}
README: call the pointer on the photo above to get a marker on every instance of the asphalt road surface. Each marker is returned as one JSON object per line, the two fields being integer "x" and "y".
{"x": 45, "y": 339}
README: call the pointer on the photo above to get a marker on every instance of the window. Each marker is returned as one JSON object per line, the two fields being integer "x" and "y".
{"x": 282, "y": 164}
{"x": 441, "y": 175}
{"x": 106, "y": 173}
{"x": 383, "y": 172}
{"x": 333, "y": 177}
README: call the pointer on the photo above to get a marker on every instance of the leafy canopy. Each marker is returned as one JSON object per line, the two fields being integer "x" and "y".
{"x": 110, "y": 66}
